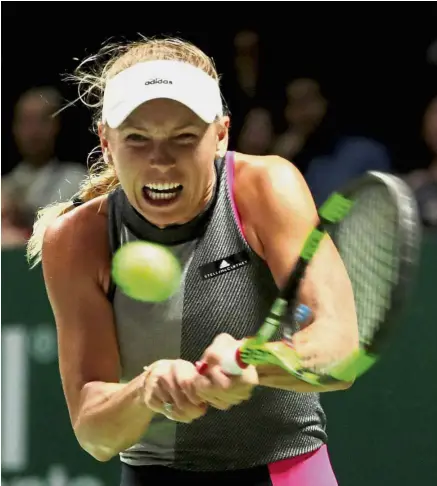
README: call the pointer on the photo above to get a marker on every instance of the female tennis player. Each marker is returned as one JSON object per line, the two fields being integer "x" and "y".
{"x": 237, "y": 224}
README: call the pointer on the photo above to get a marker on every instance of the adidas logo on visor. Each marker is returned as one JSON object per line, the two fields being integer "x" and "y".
{"x": 158, "y": 81}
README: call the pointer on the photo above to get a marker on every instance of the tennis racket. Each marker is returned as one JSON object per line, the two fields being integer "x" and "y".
{"x": 375, "y": 226}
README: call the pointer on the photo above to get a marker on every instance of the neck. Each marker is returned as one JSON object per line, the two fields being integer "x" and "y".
{"x": 38, "y": 161}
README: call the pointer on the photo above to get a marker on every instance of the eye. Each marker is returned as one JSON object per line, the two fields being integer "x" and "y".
{"x": 186, "y": 138}
{"x": 136, "y": 137}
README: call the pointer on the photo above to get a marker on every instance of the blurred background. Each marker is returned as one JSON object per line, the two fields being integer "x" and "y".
{"x": 338, "y": 89}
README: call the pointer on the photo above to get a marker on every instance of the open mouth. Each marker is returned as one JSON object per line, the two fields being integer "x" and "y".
{"x": 162, "y": 194}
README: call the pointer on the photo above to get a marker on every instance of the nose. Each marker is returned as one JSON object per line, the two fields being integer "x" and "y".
{"x": 161, "y": 158}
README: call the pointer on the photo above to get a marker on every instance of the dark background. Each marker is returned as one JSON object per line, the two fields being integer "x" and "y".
{"x": 369, "y": 57}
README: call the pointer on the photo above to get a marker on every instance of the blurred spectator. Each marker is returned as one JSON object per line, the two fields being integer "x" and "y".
{"x": 251, "y": 122}
{"x": 431, "y": 53}
{"x": 16, "y": 222}
{"x": 257, "y": 132}
{"x": 424, "y": 181}
{"x": 40, "y": 178}
{"x": 328, "y": 157}
{"x": 246, "y": 44}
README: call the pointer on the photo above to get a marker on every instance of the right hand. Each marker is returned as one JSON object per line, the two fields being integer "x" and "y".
{"x": 172, "y": 382}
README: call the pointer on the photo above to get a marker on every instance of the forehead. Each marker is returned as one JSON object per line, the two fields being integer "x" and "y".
{"x": 163, "y": 112}
{"x": 34, "y": 105}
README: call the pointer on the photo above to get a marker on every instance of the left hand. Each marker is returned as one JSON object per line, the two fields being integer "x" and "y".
{"x": 215, "y": 387}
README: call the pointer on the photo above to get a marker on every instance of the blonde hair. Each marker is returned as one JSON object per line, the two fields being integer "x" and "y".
{"x": 109, "y": 61}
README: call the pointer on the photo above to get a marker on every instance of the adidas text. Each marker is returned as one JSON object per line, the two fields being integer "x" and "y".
{"x": 158, "y": 81}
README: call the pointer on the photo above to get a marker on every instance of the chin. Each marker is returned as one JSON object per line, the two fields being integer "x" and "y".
{"x": 163, "y": 216}
{"x": 164, "y": 211}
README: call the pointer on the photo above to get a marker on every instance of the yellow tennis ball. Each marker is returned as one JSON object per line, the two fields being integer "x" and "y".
{"x": 147, "y": 272}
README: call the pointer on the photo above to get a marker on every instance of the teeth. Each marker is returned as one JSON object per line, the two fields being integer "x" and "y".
{"x": 168, "y": 195}
{"x": 163, "y": 187}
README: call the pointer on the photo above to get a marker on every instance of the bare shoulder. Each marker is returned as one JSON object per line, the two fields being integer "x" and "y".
{"x": 263, "y": 166}
{"x": 270, "y": 193}
{"x": 270, "y": 184}
{"x": 269, "y": 173}
{"x": 78, "y": 241}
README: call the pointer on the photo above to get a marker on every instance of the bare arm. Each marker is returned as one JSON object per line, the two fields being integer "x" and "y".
{"x": 107, "y": 417}
{"x": 278, "y": 213}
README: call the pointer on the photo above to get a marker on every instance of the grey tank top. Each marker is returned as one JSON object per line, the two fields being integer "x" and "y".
{"x": 226, "y": 288}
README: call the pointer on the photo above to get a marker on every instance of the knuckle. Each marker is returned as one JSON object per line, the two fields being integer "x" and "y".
{"x": 162, "y": 380}
{"x": 180, "y": 364}
{"x": 222, "y": 339}
{"x": 224, "y": 336}
{"x": 183, "y": 401}
{"x": 185, "y": 383}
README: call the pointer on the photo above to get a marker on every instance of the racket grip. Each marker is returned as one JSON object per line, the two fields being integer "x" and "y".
{"x": 231, "y": 362}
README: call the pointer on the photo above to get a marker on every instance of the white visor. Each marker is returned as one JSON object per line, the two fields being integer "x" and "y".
{"x": 174, "y": 80}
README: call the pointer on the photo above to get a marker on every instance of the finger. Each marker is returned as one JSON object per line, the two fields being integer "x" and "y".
{"x": 203, "y": 387}
{"x": 215, "y": 394}
{"x": 155, "y": 390}
{"x": 186, "y": 382}
{"x": 220, "y": 346}
{"x": 190, "y": 394}
{"x": 220, "y": 404}
{"x": 236, "y": 393}
{"x": 208, "y": 392}
{"x": 157, "y": 401}
{"x": 182, "y": 403}
{"x": 168, "y": 408}
{"x": 189, "y": 413}
{"x": 222, "y": 399}
{"x": 156, "y": 395}
{"x": 177, "y": 396}
{"x": 177, "y": 415}
{"x": 241, "y": 392}
{"x": 219, "y": 378}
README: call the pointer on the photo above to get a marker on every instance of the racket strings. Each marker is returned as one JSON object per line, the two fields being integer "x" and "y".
{"x": 366, "y": 240}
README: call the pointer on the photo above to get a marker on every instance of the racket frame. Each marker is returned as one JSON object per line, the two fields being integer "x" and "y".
{"x": 255, "y": 351}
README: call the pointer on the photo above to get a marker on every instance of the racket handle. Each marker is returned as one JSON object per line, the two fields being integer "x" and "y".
{"x": 231, "y": 362}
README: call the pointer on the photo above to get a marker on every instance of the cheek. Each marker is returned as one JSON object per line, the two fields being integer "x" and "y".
{"x": 208, "y": 145}
{"x": 124, "y": 169}
{"x": 128, "y": 160}
{"x": 202, "y": 160}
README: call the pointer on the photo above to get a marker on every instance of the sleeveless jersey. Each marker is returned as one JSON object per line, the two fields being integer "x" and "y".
{"x": 226, "y": 288}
